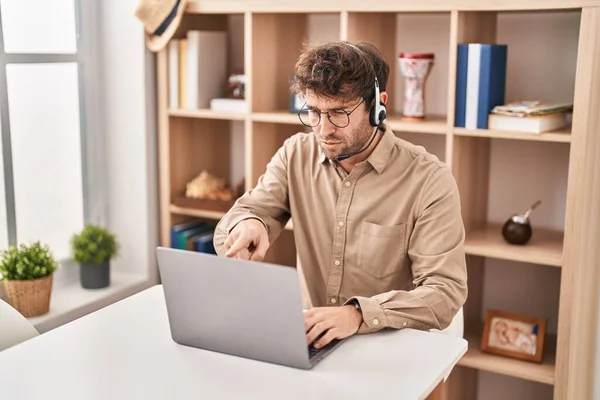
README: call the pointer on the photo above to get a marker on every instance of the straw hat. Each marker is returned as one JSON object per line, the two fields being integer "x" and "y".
{"x": 161, "y": 18}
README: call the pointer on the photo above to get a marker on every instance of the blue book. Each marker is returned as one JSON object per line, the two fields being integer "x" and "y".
{"x": 204, "y": 243}
{"x": 184, "y": 235}
{"x": 177, "y": 228}
{"x": 460, "y": 108}
{"x": 485, "y": 84}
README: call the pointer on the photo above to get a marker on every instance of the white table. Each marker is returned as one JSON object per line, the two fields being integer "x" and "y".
{"x": 125, "y": 351}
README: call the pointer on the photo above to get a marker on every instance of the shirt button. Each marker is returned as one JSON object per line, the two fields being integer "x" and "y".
{"x": 337, "y": 262}
{"x": 404, "y": 324}
{"x": 333, "y": 301}
{"x": 348, "y": 184}
{"x": 341, "y": 223}
{"x": 375, "y": 322}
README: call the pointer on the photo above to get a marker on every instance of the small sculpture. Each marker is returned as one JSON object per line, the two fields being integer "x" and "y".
{"x": 415, "y": 68}
{"x": 236, "y": 86}
{"x": 207, "y": 186}
{"x": 517, "y": 229}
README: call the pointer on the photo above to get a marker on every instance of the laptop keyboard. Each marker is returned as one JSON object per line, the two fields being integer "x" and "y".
{"x": 313, "y": 352}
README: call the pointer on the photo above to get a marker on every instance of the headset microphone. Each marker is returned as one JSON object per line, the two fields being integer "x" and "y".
{"x": 343, "y": 157}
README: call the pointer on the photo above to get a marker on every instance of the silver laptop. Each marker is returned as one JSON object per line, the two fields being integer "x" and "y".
{"x": 243, "y": 308}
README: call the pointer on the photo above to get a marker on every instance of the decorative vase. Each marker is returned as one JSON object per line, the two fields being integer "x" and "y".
{"x": 95, "y": 276}
{"x": 517, "y": 229}
{"x": 30, "y": 297}
{"x": 415, "y": 67}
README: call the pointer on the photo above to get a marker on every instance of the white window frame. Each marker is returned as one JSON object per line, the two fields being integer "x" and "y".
{"x": 92, "y": 143}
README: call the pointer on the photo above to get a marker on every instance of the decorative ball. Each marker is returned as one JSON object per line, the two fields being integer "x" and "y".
{"x": 516, "y": 230}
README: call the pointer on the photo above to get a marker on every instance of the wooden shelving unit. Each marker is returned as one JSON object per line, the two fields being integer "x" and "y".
{"x": 558, "y": 136}
{"x": 208, "y": 114}
{"x": 476, "y": 359}
{"x": 545, "y": 248}
{"x": 192, "y": 140}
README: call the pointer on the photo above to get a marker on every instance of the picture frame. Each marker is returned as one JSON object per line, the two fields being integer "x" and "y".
{"x": 514, "y": 335}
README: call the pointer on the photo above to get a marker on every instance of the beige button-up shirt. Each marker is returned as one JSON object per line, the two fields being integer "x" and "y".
{"x": 388, "y": 234}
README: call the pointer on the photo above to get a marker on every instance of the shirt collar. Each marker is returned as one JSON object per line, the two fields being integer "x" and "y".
{"x": 322, "y": 156}
{"x": 381, "y": 154}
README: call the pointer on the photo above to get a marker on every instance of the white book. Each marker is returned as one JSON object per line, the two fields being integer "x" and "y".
{"x": 473, "y": 71}
{"x": 229, "y": 105}
{"x": 174, "y": 74}
{"x": 534, "y": 124}
{"x": 207, "y": 67}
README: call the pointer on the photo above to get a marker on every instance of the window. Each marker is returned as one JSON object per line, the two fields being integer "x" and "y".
{"x": 48, "y": 159}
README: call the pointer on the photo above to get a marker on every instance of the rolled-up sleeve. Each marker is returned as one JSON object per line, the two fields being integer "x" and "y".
{"x": 438, "y": 265}
{"x": 268, "y": 202}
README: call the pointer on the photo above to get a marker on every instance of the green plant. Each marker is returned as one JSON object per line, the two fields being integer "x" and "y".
{"x": 94, "y": 245}
{"x": 25, "y": 262}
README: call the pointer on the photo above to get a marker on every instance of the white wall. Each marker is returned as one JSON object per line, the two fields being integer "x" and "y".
{"x": 127, "y": 73}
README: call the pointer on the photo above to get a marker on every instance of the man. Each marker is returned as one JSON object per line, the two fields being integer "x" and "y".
{"x": 377, "y": 220}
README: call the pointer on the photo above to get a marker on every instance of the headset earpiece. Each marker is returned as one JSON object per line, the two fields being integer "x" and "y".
{"x": 378, "y": 112}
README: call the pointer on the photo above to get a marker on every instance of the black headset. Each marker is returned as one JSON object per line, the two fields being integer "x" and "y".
{"x": 378, "y": 112}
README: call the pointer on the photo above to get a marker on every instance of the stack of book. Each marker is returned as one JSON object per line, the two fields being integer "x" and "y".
{"x": 530, "y": 116}
{"x": 480, "y": 83}
{"x": 193, "y": 235}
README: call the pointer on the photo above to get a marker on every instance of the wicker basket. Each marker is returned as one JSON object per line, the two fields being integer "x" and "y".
{"x": 30, "y": 297}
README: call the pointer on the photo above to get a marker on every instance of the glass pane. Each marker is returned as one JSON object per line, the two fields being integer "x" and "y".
{"x": 39, "y": 26}
{"x": 43, "y": 100}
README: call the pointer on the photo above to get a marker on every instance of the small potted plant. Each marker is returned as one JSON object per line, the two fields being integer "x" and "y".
{"x": 93, "y": 248}
{"x": 27, "y": 272}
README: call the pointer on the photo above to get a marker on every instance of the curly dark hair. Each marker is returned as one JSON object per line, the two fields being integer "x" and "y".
{"x": 341, "y": 70}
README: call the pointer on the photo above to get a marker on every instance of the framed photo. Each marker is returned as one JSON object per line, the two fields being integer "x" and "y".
{"x": 513, "y": 335}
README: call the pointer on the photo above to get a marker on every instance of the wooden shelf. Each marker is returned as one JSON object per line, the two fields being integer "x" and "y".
{"x": 558, "y": 136}
{"x": 545, "y": 247}
{"x": 435, "y": 124}
{"x": 528, "y": 370}
{"x": 210, "y": 214}
{"x": 207, "y": 114}
{"x": 317, "y": 6}
{"x": 277, "y": 117}
{"x": 195, "y": 212}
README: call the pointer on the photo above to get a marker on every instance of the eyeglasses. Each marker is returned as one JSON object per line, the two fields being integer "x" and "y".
{"x": 337, "y": 117}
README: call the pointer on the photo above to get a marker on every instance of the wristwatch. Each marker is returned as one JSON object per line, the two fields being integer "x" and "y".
{"x": 356, "y": 305}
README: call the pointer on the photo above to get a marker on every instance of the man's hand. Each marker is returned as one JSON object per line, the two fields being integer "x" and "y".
{"x": 248, "y": 240}
{"x": 336, "y": 322}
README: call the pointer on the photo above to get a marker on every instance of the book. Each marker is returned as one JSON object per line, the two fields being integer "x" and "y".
{"x": 531, "y": 107}
{"x": 204, "y": 243}
{"x": 528, "y": 124}
{"x": 229, "y": 105}
{"x": 178, "y": 228}
{"x": 185, "y": 235}
{"x": 206, "y": 67}
{"x": 174, "y": 74}
{"x": 481, "y": 83}
{"x": 183, "y": 73}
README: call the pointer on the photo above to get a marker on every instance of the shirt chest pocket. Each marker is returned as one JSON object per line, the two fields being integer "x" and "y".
{"x": 381, "y": 249}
